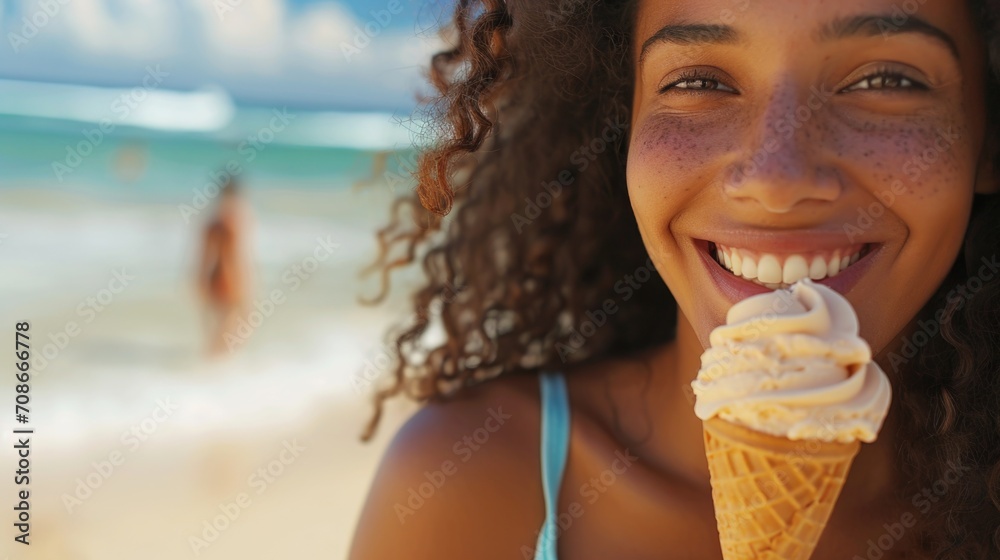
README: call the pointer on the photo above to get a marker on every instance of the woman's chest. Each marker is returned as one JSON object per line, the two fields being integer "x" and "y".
{"x": 624, "y": 511}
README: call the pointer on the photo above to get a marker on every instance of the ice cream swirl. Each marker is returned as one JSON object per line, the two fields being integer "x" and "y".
{"x": 790, "y": 363}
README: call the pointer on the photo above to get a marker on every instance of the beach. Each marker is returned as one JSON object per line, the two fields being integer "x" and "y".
{"x": 143, "y": 447}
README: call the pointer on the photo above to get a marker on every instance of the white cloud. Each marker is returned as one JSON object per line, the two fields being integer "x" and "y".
{"x": 255, "y": 48}
{"x": 317, "y": 33}
{"x": 140, "y": 29}
{"x": 247, "y": 33}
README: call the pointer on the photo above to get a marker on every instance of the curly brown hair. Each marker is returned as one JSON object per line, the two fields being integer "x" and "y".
{"x": 539, "y": 232}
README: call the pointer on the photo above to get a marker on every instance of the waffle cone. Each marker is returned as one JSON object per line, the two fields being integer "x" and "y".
{"x": 773, "y": 496}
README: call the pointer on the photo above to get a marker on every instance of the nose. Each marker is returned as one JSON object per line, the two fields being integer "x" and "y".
{"x": 782, "y": 163}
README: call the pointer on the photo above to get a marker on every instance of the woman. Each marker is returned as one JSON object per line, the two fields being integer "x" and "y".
{"x": 223, "y": 274}
{"x": 592, "y": 142}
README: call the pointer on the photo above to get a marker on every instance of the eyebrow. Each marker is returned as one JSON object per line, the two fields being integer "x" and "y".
{"x": 869, "y": 25}
{"x": 865, "y": 25}
{"x": 692, "y": 34}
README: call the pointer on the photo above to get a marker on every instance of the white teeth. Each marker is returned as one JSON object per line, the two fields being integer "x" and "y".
{"x": 818, "y": 269}
{"x": 795, "y": 269}
{"x": 768, "y": 270}
{"x": 737, "y": 260}
{"x": 834, "y": 266}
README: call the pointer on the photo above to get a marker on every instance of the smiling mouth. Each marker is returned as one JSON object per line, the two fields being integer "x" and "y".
{"x": 781, "y": 270}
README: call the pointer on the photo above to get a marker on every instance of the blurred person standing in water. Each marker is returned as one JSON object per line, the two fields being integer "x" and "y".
{"x": 224, "y": 271}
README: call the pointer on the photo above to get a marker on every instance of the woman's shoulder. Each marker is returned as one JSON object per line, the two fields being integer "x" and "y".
{"x": 461, "y": 478}
{"x": 501, "y": 411}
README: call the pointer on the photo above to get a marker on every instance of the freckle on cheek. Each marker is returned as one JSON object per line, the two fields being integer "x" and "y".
{"x": 908, "y": 149}
{"x": 683, "y": 144}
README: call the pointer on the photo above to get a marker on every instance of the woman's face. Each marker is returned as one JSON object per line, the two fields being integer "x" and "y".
{"x": 836, "y": 140}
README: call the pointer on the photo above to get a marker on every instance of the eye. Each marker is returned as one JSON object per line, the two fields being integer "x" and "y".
{"x": 884, "y": 79}
{"x": 695, "y": 82}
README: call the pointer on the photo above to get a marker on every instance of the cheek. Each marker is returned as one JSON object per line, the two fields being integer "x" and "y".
{"x": 920, "y": 172}
{"x": 671, "y": 159}
{"x": 919, "y": 176}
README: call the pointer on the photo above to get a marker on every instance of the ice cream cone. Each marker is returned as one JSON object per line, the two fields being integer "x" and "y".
{"x": 773, "y": 496}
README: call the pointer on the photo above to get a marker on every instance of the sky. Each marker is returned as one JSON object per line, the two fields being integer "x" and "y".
{"x": 354, "y": 55}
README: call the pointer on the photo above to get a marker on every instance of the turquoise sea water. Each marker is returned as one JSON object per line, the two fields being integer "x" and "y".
{"x": 136, "y": 163}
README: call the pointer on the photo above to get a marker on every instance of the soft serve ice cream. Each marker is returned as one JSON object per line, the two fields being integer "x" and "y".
{"x": 790, "y": 363}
